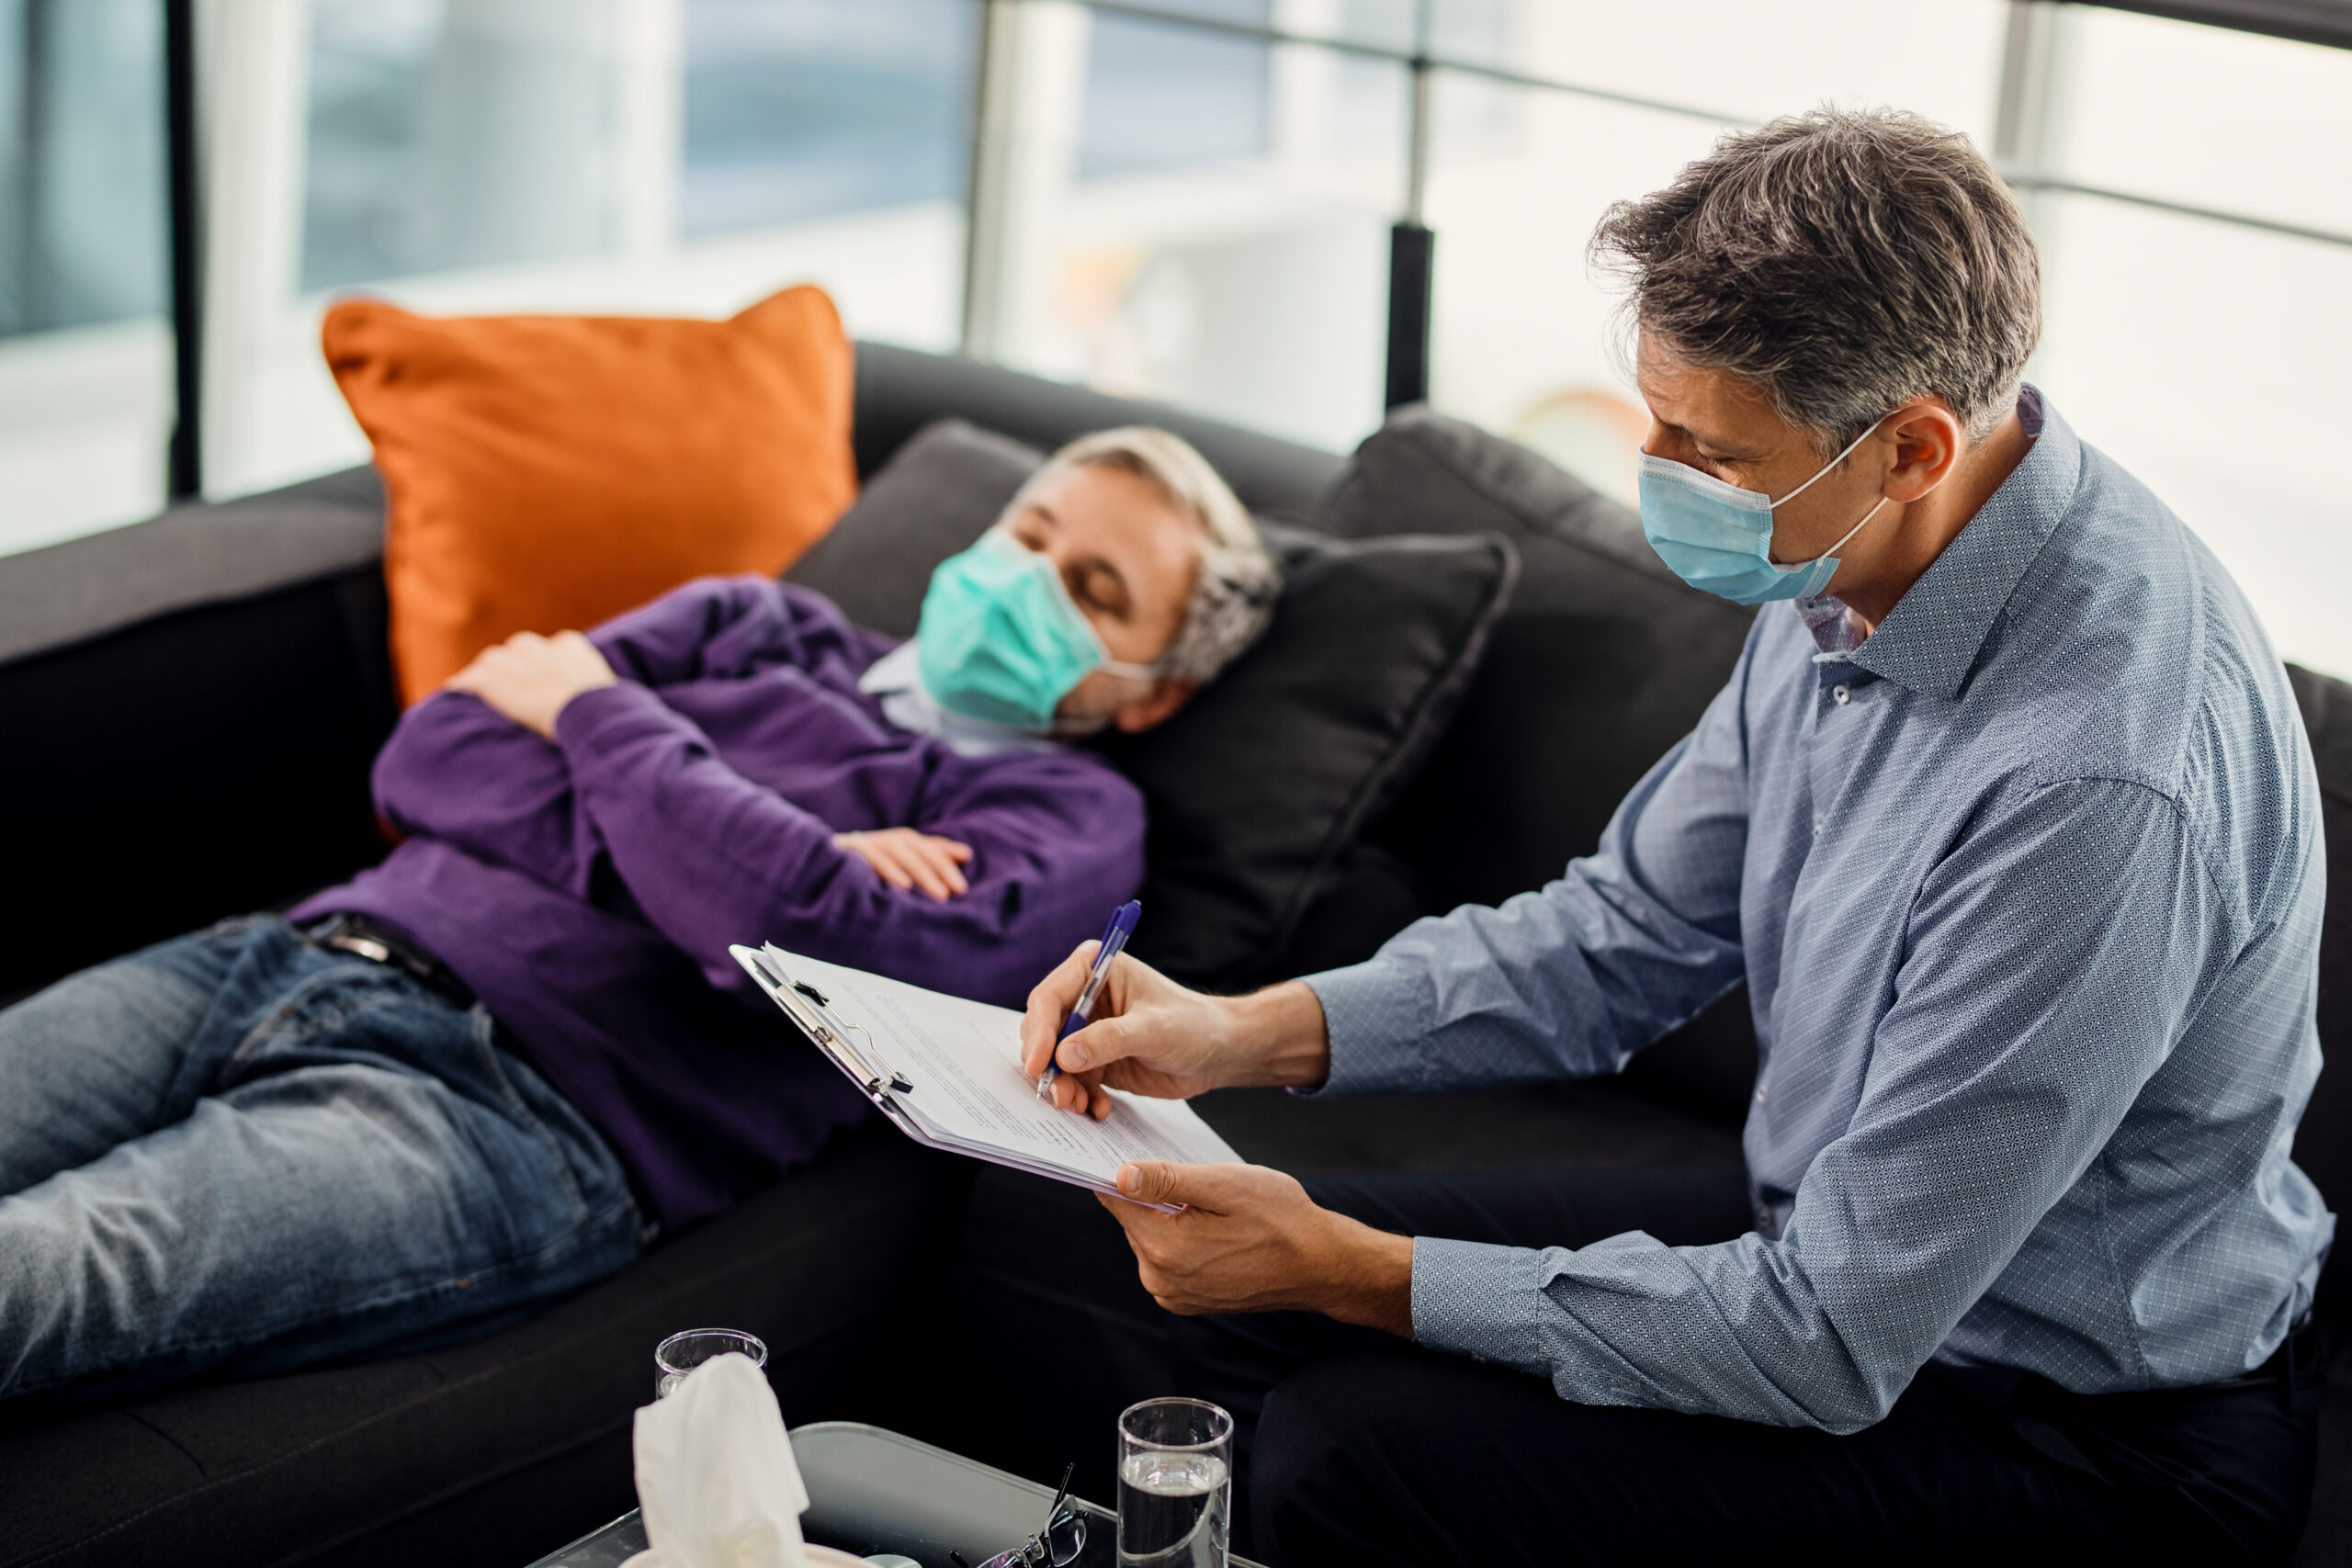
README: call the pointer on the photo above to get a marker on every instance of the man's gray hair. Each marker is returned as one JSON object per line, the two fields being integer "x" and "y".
{"x": 1842, "y": 261}
{"x": 1233, "y": 597}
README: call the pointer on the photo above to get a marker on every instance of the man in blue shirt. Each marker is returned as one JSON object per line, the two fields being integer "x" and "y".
{"x": 2009, "y": 825}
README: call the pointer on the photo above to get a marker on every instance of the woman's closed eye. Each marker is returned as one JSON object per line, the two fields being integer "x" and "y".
{"x": 1097, "y": 585}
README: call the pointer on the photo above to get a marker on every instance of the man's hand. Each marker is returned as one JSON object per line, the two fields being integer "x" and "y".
{"x": 1249, "y": 1239}
{"x": 529, "y": 678}
{"x": 1151, "y": 1035}
{"x": 904, "y": 858}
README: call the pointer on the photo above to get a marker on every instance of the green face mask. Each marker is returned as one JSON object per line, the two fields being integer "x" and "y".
{"x": 1000, "y": 639}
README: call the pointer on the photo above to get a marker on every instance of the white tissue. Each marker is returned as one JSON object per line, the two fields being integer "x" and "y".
{"x": 714, "y": 1474}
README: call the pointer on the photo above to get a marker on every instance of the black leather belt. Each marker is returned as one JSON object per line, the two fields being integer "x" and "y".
{"x": 379, "y": 944}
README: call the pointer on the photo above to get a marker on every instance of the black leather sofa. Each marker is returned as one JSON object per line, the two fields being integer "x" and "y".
{"x": 189, "y": 708}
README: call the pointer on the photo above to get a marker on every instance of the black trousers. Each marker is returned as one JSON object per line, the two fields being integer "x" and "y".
{"x": 1359, "y": 1449}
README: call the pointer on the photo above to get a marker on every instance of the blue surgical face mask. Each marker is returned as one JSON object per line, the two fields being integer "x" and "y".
{"x": 1002, "y": 639}
{"x": 1718, "y": 537}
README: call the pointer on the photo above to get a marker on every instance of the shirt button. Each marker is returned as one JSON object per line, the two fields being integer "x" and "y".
{"x": 1759, "y": 1094}
{"x": 1841, "y": 694}
{"x": 1817, "y": 827}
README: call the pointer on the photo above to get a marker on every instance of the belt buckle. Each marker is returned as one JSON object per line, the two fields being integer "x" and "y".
{"x": 367, "y": 947}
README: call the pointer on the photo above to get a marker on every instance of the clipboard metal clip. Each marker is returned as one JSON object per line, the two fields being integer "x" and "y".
{"x": 832, "y": 1033}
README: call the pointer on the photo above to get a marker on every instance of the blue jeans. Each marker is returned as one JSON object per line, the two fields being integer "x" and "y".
{"x": 237, "y": 1153}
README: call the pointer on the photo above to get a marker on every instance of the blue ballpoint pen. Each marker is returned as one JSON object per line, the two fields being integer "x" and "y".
{"x": 1114, "y": 937}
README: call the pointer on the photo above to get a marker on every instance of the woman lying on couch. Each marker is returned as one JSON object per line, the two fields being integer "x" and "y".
{"x": 485, "y": 1072}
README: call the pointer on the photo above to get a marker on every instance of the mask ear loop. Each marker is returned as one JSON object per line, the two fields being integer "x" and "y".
{"x": 1808, "y": 484}
{"x": 1833, "y": 462}
{"x": 1071, "y": 727}
{"x": 1850, "y": 533}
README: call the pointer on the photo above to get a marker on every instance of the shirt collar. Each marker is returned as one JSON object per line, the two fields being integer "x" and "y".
{"x": 895, "y": 681}
{"x": 1931, "y": 640}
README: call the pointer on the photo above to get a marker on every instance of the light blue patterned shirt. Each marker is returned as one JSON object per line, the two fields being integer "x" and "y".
{"x": 2026, "y": 889}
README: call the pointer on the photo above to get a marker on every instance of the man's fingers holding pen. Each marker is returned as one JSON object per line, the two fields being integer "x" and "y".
{"x": 1149, "y": 1035}
{"x": 1080, "y": 1092}
{"x": 1050, "y": 1001}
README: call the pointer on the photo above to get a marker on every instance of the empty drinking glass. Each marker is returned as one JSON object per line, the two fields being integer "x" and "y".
{"x": 681, "y": 1353}
{"x": 1175, "y": 1483}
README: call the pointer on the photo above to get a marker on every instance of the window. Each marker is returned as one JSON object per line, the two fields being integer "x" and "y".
{"x": 447, "y": 135}
{"x": 1195, "y": 216}
{"x": 85, "y": 366}
{"x": 2134, "y": 105}
{"x": 1520, "y": 326}
{"x": 665, "y": 156}
{"x": 2215, "y": 416}
{"x": 1161, "y": 96}
{"x": 1183, "y": 199}
{"x": 802, "y": 109}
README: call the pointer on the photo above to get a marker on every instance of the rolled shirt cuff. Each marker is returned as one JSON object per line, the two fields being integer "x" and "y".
{"x": 1375, "y": 1016}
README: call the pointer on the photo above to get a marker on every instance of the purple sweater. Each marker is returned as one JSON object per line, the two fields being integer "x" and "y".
{"x": 587, "y": 888}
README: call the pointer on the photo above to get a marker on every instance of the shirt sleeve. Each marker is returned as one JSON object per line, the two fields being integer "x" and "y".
{"x": 716, "y": 625}
{"x": 1568, "y": 981}
{"x": 2055, "y": 957}
{"x": 713, "y": 858}
{"x": 457, "y": 770}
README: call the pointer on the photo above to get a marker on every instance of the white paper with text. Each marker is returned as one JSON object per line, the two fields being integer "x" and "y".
{"x": 969, "y": 1094}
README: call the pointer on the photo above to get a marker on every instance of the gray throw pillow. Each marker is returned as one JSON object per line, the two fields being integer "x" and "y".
{"x": 1260, "y": 784}
{"x": 936, "y": 494}
{"x": 1604, "y": 659}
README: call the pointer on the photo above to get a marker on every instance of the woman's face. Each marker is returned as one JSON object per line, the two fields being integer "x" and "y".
{"x": 1130, "y": 555}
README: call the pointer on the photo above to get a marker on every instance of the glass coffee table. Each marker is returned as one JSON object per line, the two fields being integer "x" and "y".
{"x": 872, "y": 1490}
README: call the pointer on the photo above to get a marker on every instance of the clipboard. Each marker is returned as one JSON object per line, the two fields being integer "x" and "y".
{"x": 945, "y": 1078}
{"x": 808, "y": 1007}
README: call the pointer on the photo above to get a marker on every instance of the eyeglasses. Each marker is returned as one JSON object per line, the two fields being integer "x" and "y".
{"x": 1056, "y": 1545}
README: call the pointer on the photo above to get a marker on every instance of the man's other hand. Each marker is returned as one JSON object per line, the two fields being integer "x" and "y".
{"x": 1249, "y": 1239}
{"x": 905, "y": 859}
{"x": 529, "y": 678}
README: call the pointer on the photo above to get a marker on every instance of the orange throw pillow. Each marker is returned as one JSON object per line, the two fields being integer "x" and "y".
{"x": 547, "y": 472}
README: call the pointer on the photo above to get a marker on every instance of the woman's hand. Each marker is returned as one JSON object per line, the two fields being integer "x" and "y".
{"x": 529, "y": 678}
{"x": 906, "y": 859}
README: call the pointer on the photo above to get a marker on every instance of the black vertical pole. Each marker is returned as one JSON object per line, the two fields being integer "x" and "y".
{"x": 1412, "y": 250}
{"x": 34, "y": 268}
{"x": 1412, "y": 247}
{"x": 186, "y": 459}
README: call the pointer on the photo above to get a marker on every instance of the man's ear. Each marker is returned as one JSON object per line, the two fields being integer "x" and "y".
{"x": 1167, "y": 694}
{"x": 1928, "y": 441}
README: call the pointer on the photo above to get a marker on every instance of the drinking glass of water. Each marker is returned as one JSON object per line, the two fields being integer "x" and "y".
{"x": 681, "y": 1353}
{"x": 1175, "y": 1484}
